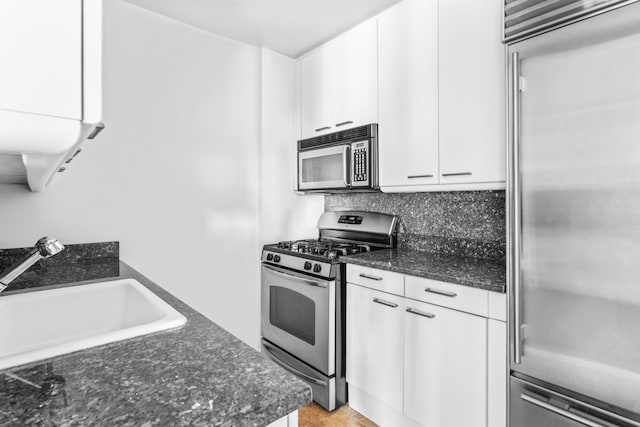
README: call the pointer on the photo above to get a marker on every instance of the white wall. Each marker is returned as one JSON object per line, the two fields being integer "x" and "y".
{"x": 283, "y": 214}
{"x": 175, "y": 176}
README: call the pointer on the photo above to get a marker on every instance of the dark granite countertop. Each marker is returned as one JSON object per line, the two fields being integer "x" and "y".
{"x": 198, "y": 374}
{"x": 475, "y": 272}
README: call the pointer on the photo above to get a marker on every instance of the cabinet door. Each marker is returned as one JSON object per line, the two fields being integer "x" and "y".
{"x": 497, "y": 373}
{"x": 374, "y": 344}
{"x": 41, "y": 51}
{"x": 445, "y": 365}
{"x": 472, "y": 92}
{"x": 316, "y": 90}
{"x": 408, "y": 94}
{"x": 339, "y": 83}
{"x": 356, "y": 74}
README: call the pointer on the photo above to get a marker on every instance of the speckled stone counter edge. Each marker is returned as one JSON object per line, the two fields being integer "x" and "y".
{"x": 111, "y": 388}
{"x": 473, "y": 272}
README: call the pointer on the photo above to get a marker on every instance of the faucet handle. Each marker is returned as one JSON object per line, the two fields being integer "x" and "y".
{"x": 48, "y": 246}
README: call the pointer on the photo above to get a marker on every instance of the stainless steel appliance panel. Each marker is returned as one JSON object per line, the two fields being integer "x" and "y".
{"x": 341, "y": 161}
{"x": 534, "y": 406}
{"x": 323, "y": 387}
{"x": 574, "y": 207}
{"x": 324, "y": 168}
{"x": 527, "y": 18}
{"x": 298, "y": 314}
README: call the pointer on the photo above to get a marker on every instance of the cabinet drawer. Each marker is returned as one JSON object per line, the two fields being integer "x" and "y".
{"x": 458, "y": 297}
{"x": 382, "y": 280}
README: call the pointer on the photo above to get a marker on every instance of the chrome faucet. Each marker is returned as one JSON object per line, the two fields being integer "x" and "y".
{"x": 46, "y": 247}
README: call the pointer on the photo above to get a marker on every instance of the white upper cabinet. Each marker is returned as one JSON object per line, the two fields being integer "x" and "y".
{"x": 408, "y": 94}
{"x": 339, "y": 83}
{"x": 471, "y": 60}
{"x": 442, "y": 96}
{"x": 41, "y": 51}
{"x": 50, "y": 85}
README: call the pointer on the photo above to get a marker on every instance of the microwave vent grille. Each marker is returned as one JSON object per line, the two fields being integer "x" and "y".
{"x": 360, "y": 132}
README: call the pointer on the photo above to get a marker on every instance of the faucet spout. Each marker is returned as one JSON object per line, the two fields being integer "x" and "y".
{"x": 45, "y": 247}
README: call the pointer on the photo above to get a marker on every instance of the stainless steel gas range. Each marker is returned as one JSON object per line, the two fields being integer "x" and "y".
{"x": 303, "y": 298}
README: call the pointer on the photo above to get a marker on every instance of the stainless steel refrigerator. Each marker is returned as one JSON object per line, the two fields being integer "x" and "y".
{"x": 574, "y": 218}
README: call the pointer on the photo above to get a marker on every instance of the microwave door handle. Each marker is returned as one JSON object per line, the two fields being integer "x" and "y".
{"x": 346, "y": 169}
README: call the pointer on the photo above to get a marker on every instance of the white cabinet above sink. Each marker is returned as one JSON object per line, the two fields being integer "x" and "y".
{"x": 50, "y": 85}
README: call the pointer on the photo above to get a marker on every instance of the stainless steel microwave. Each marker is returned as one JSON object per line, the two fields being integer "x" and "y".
{"x": 340, "y": 161}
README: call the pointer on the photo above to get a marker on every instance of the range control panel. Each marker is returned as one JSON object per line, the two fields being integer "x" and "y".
{"x": 350, "y": 219}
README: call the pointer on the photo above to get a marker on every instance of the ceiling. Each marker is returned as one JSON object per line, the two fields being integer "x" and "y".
{"x": 290, "y": 27}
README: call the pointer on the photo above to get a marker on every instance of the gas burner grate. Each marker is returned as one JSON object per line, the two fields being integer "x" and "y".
{"x": 324, "y": 248}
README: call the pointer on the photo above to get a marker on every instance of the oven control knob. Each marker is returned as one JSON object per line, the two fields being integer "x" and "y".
{"x": 276, "y": 258}
{"x": 269, "y": 257}
{"x": 307, "y": 265}
{"x": 317, "y": 268}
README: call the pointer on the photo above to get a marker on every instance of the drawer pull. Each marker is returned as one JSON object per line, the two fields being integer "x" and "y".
{"x": 348, "y": 122}
{"x": 366, "y": 276}
{"x": 457, "y": 174}
{"x": 420, "y": 176}
{"x": 323, "y": 128}
{"x": 441, "y": 292}
{"x": 387, "y": 303}
{"x": 420, "y": 313}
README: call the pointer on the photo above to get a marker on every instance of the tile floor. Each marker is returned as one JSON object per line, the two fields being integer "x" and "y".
{"x": 313, "y": 415}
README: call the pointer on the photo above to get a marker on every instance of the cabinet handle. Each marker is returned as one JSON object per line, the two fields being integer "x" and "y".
{"x": 457, "y": 174}
{"x": 348, "y": 122}
{"x": 99, "y": 127}
{"x": 560, "y": 411}
{"x": 420, "y": 176}
{"x": 323, "y": 128}
{"x": 441, "y": 292}
{"x": 366, "y": 276}
{"x": 387, "y": 303}
{"x": 420, "y": 313}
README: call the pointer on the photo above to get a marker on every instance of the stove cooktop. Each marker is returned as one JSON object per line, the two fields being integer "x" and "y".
{"x": 312, "y": 256}
{"x": 327, "y": 249}
{"x": 341, "y": 233}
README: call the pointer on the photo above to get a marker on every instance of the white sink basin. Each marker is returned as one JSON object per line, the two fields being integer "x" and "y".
{"x": 42, "y": 324}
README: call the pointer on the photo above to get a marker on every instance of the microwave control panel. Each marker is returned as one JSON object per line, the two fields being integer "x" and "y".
{"x": 360, "y": 162}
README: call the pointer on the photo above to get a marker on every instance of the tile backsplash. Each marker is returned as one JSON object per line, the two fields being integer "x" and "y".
{"x": 467, "y": 223}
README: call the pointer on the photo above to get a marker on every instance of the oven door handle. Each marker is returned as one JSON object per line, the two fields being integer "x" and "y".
{"x": 319, "y": 284}
{"x": 269, "y": 347}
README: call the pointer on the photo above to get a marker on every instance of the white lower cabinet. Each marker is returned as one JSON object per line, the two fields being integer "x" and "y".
{"x": 431, "y": 363}
{"x": 497, "y": 377}
{"x": 374, "y": 344}
{"x": 445, "y": 371}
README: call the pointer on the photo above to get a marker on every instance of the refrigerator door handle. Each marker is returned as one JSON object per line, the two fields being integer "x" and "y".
{"x": 567, "y": 412}
{"x": 516, "y": 206}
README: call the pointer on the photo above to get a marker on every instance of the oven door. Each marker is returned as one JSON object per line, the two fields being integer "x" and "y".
{"x": 298, "y": 315}
{"x": 324, "y": 168}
